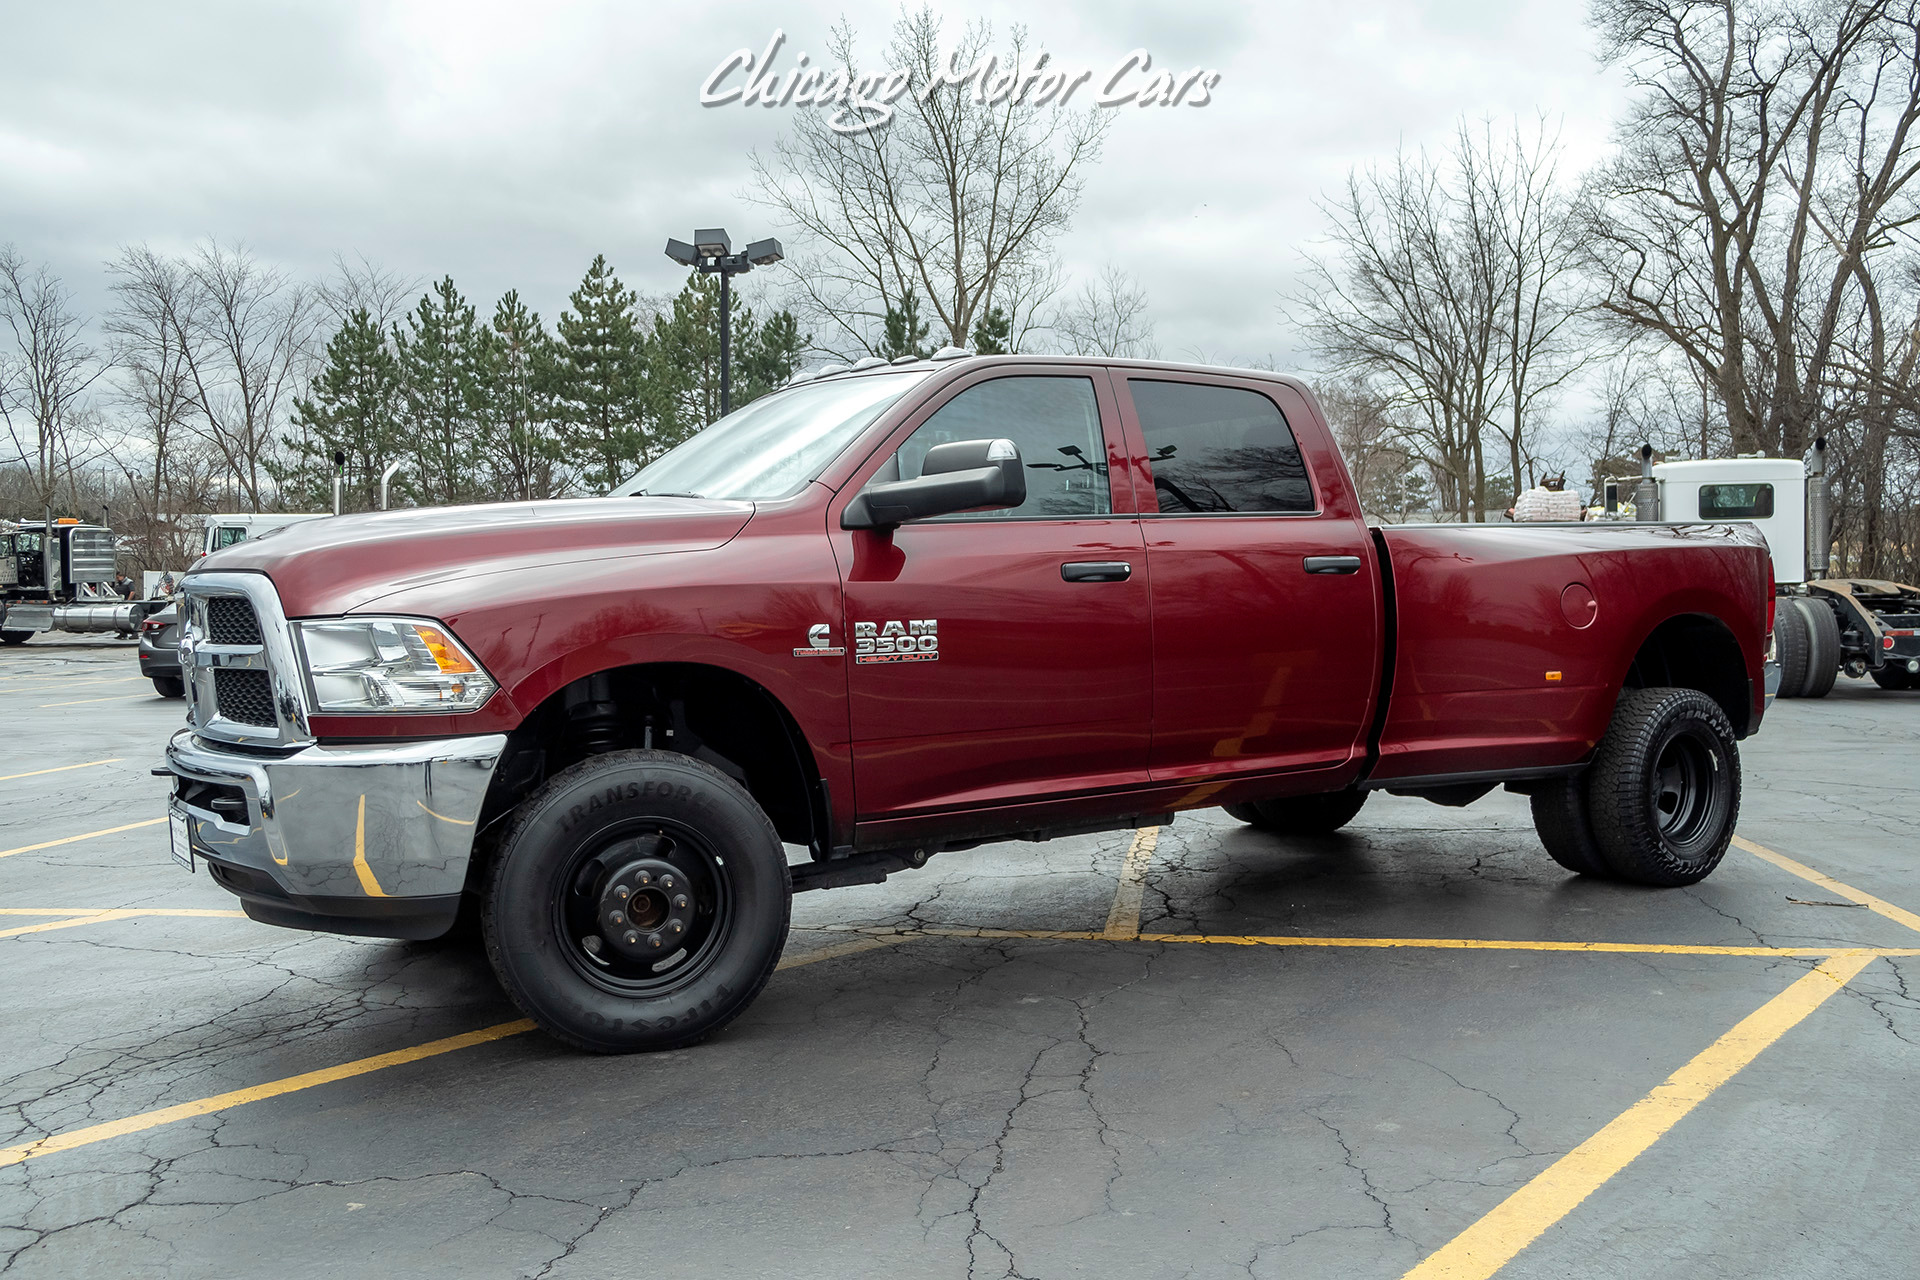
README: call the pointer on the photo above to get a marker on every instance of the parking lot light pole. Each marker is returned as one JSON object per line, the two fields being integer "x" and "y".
{"x": 711, "y": 253}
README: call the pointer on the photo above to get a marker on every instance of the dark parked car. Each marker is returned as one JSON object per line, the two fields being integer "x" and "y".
{"x": 160, "y": 653}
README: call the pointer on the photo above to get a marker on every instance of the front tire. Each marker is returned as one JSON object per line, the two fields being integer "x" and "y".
{"x": 15, "y": 637}
{"x": 640, "y": 901}
{"x": 1318, "y": 815}
{"x": 1664, "y": 788}
{"x": 170, "y": 686}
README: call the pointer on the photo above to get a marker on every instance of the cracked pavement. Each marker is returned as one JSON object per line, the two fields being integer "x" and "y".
{"x": 957, "y": 1106}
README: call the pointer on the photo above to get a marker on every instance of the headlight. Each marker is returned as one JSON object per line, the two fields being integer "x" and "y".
{"x": 389, "y": 664}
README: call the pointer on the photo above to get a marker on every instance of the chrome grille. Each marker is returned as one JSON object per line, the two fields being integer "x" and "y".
{"x": 242, "y": 695}
{"x": 231, "y": 620}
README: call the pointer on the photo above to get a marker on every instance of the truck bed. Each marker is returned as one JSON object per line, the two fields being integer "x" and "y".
{"x": 1510, "y": 640}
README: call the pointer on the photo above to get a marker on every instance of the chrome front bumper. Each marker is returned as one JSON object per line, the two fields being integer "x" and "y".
{"x": 369, "y": 839}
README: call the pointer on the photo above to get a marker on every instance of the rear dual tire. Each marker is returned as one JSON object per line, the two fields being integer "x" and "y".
{"x": 1659, "y": 802}
{"x": 1316, "y": 815}
{"x": 1895, "y": 679}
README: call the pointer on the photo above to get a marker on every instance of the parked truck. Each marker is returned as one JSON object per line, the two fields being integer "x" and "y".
{"x": 1822, "y": 625}
{"x": 58, "y": 575}
{"x": 907, "y": 609}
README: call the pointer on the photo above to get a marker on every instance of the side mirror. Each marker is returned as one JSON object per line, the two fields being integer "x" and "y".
{"x": 968, "y": 475}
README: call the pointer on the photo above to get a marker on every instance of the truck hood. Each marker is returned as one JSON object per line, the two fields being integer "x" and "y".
{"x": 323, "y": 567}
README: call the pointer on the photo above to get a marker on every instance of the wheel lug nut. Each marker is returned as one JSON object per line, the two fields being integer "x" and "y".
{"x": 676, "y": 926}
{"x": 666, "y": 882}
{"x": 616, "y": 919}
{"x": 681, "y": 902}
{"x": 632, "y": 939}
{"x": 653, "y": 939}
{"x": 645, "y": 877}
{"x": 621, "y": 891}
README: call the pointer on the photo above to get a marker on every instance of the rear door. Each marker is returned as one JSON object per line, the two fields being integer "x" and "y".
{"x": 1000, "y": 656}
{"x": 1266, "y": 593}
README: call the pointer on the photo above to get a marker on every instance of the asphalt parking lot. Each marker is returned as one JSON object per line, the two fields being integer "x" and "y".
{"x": 1418, "y": 1047}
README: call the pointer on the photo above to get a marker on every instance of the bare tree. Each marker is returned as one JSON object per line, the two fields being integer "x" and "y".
{"x": 1407, "y": 302}
{"x": 44, "y": 385}
{"x": 956, "y": 200}
{"x": 361, "y": 284}
{"x": 1107, "y": 317}
{"x": 246, "y": 340}
{"x": 1764, "y": 168}
{"x": 152, "y": 299}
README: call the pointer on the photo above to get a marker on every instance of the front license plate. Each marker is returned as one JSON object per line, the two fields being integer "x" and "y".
{"x": 182, "y": 846}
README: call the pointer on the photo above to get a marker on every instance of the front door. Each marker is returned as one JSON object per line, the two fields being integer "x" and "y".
{"x": 1004, "y": 655}
{"x": 1265, "y": 585}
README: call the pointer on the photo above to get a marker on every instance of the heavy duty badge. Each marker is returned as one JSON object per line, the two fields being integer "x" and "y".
{"x": 914, "y": 641}
{"x": 820, "y": 643}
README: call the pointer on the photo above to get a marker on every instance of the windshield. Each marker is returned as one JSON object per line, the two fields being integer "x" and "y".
{"x": 775, "y": 446}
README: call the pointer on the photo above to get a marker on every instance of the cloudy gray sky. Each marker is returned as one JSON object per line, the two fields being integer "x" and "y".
{"x": 506, "y": 143}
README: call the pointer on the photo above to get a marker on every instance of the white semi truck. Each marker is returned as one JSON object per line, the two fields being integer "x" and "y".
{"x": 1822, "y": 625}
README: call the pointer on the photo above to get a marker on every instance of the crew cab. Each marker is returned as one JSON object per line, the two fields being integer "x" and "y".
{"x": 906, "y": 609}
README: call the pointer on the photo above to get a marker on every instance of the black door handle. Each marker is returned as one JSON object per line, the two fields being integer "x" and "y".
{"x": 1332, "y": 564}
{"x": 1096, "y": 571}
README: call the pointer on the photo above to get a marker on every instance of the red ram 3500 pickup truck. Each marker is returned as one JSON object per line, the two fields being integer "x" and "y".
{"x": 908, "y": 609}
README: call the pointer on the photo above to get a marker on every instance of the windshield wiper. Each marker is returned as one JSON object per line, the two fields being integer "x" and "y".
{"x": 662, "y": 493}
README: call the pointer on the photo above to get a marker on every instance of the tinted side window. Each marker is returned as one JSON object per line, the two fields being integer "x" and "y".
{"x": 1736, "y": 501}
{"x": 228, "y": 536}
{"x": 1219, "y": 449}
{"x": 1056, "y": 423}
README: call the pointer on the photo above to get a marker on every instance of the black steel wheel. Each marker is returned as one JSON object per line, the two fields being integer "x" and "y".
{"x": 1664, "y": 789}
{"x": 639, "y": 901}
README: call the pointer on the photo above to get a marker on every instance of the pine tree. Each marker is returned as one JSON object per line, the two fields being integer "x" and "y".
{"x": 768, "y": 357}
{"x": 605, "y": 399}
{"x": 518, "y": 363}
{"x": 353, "y": 406}
{"x": 906, "y": 333}
{"x": 439, "y": 357}
{"x": 993, "y": 334}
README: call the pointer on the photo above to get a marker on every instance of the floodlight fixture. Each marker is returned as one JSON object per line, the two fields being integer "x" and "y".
{"x": 713, "y": 242}
{"x": 682, "y": 252}
{"x": 764, "y": 253}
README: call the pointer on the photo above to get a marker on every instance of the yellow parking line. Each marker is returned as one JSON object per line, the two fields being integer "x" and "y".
{"x": 80, "y": 702}
{"x": 1123, "y": 921}
{"x": 1900, "y": 915}
{"x": 71, "y": 918}
{"x": 326, "y": 1075}
{"x": 34, "y": 773}
{"x": 71, "y": 679}
{"x": 1443, "y": 944}
{"x": 48, "y": 844}
{"x": 1518, "y": 1221}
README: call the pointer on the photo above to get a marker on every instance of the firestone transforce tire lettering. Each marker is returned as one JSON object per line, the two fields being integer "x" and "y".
{"x": 1319, "y": 815}
{"x": 1823, "y": 647}
{"x": 1791, "y": 642}
{"x": 640, "y": 900}
{"x": 1565, "y": 826}
{"x": 1664, "y": 788}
